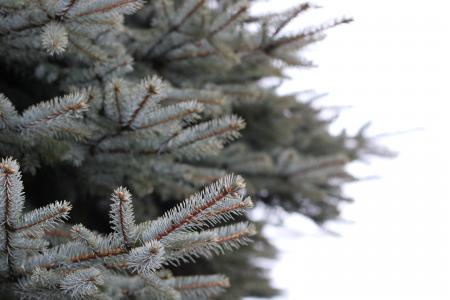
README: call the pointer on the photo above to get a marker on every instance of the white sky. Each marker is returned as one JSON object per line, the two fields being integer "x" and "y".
{"x": 392, "y": 65}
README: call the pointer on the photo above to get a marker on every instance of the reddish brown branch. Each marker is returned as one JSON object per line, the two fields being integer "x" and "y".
{"x": 231, "y": 237}
{"x": 151, "y": 91}
{"x": 175, "y": 27}
{"x": 8, "y": 170}
{"x": 308, "y": 33}
{"x": 227, "y": 190}
{"x": 122, "y": 201}
{"x": 303, "y": 7}
{"x": 68, "y": 109}
{"x": 67, "y": 8}
{"x": 229, "y": 128}
{"x": 61, "y": 211}
{"x": 233, "y": 17}
{"x": 240, "y": 205}
{"x": 203, "y": 285}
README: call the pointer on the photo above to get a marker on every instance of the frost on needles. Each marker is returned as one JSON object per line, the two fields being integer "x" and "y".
{"x": 130, "y": 261}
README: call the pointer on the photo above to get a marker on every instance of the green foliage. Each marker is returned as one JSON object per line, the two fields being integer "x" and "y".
{"x": 125, "y": 263}
{"x": 164, "y": 97}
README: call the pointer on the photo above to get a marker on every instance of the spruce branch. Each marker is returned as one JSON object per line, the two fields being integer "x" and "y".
{"x": 193, "y": 211}
{"x": 44, "y": 218}
{"x": 234, "y": 236}
{"x": 307, "y": 33}
{"x": 236, "y": 12}
{"x": 122, "y": 215}
{"x": 149, "y": 94}
{"x": 189, "y": 246}
{"x": 204, "y": 62}
{"x": 8, "y": 114}
{"x": 85, "y": 48}
{"x": 11, "y": 205}
{"x": 306, "y": 167}
{"x": 147, "y": 258}
{"x": 91, "y": 239}
{"x": 115, "y": 92}
{"x": 82, "y": 284}
{"x": 190, "y": 11}
{"x": 54, "y": 38}
{"x": 292, "y": 13}
{"x": 62, "y": 14}
{"x": 200, "y": 287}
{"x": 186, "y": 247}
{"x": 47, "y": 118}
{"x": 22, "y": 232}
{"x": 187, "y": 112}
{"x": 207, "y": 137}
{"x": 82, "y": 267}
{"x": 241, "y": 9}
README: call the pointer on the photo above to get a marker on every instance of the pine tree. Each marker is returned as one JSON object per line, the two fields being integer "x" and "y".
{"x": 164, "y": 97}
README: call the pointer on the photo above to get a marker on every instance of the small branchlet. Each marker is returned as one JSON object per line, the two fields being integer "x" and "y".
{"x": 54, "y": 38}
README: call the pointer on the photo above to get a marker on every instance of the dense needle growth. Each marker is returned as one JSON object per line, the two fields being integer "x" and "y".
{"x": 163, "y": 97}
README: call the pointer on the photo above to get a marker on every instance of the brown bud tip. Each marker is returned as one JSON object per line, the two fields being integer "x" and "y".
{"x": 7, "y": 169}
{"x": 152, "y": 89}
{"x": 121, "y": 196}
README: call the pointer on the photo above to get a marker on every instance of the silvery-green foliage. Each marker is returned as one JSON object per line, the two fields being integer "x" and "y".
{"x": 155, "y": 95}
{"x": 122, "y": 215}
{"x": 201, "y": 63}
{"x": 208, "y": 286}
{"x": 85, "y": 31}
{"x": 54, "y": 117}
{"x": 188, "y": 246}
{"x": 135, "y": 122}
{"x": 22, "y": 234}
{"x": 54, "y": 38}
{"x": 82, "y": 284}
{"x": 8, "y": 114}
{"x": 57, "y": 117}
{"x": 130, "y": 261}
{"x": 54, "y": 19}
{"x": 147, "y": 258}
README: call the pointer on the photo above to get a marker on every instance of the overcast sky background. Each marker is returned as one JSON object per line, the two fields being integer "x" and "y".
{"x": 392, "y": 66}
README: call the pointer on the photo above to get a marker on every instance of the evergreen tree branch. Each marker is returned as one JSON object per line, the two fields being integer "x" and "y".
{"x": 176, "y": 27}
{"x": 11, "y": 204}
{"x": 81, "y": 268}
